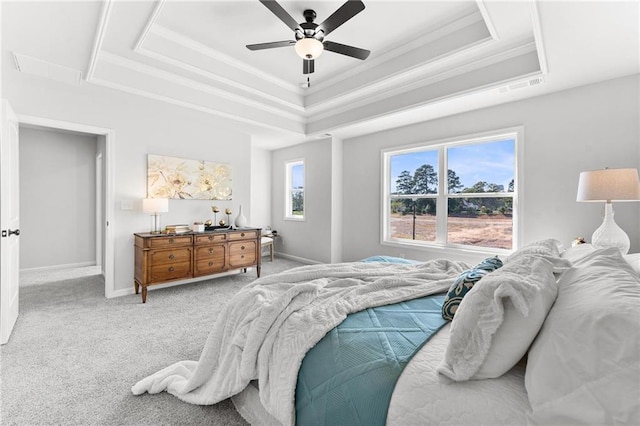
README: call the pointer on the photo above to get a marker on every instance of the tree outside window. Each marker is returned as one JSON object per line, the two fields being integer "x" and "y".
{"x": 473, "y": 207}
{"x": 294, "y": 208}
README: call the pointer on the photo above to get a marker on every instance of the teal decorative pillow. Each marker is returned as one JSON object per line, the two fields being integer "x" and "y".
{"x": 464, "y": 283}
{"x": 490, "y": 264}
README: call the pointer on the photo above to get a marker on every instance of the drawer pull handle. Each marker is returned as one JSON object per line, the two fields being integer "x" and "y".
{"x": 210, "y": 263}
{"x": 242, "y": 257}
{"x": 210, "y": 251}
{"x": 242, "y": 235}
{"x": 170, "y": 240}
{"x": 241, "y": 247}
{"x": 171, "y": 269}
{"x": 210, "y": 237}
{"x": 171, "y": 256}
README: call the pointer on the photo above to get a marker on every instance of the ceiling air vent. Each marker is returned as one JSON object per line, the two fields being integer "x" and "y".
{"x": 35, "y": 66}
{"x": 521, "y": 84}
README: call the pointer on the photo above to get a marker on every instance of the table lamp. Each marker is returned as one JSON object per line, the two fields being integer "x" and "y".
{"x": 609, "y": 185}
{"x": 155, "y": 206}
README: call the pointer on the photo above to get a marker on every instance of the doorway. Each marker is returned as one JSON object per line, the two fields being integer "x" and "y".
{"x": 100, "y": 243}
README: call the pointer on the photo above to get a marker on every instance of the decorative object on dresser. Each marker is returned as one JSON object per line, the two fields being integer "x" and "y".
{"x": 163, "y": 258}
{"x": 228, "y": 212}
{"x": 155, "y": 206}
{"x": 609, "y": 185}
{"x": 177, "y": 229}
{"x": 215, "y": 211}
{"x": 241, "y": 220}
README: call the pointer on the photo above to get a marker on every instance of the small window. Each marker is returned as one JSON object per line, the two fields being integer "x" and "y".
{"x": 294, "y": 208}
{"x": 461, "y": 193}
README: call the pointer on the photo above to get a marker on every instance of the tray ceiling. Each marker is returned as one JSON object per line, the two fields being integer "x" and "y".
{"x": 423, "y": 54}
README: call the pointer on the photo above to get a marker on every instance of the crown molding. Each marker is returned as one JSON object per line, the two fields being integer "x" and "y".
{"x": 215, "y": 77}
{"x": 221, "y": 57}
{"x": 482, "y": 7}
{"x": 105, "y": 15}
{"x": 412, "y": 76}
{"x": 406, "y": 46}
{"x": 408, "y": 85}
{"x": 196, "y": 85}
{"x": 171, "y": 100}
{"x": 149, "y": 24}
{"x": 537, "y": 35}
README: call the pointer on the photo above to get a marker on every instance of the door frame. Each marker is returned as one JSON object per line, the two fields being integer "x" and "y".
{"x": 108, "y": 205}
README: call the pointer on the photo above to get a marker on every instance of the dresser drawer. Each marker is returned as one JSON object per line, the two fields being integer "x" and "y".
{"x": 216, "y": 251}
{"x": 209, "y": 266}
{"x": 210, "y": 238}
{"x": 174, "y": 271}
{"x": 182, "y": 240}
{"x": 242, "y": 235}
{"x": 166, "y": 257}
{"x": 242, "y": 253}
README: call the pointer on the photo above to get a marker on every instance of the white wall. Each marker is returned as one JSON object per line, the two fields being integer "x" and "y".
{"x": 57, "y": 198}
{"x": 585, "y": 128}
{"x": 260, "y": 188}
{"x": 140, "y": 127}
{"x": 309, "y": 239}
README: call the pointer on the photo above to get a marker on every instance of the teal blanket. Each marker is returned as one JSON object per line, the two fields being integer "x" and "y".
{"x": 349, "y": 376}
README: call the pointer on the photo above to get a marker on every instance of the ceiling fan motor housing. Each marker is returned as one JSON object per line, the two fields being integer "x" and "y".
{"x": 309, "y": 27}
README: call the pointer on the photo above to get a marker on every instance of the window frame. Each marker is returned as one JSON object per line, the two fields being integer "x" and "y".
{"x": 288, "y": 191}
{"x": 440, "y": 245}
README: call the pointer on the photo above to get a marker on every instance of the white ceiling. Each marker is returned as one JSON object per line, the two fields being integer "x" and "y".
{"x": 429, "y": 58}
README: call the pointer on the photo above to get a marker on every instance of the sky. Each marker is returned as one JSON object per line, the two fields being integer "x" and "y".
{"x": 492, "y": 162}
{"x": 297, "y": 176}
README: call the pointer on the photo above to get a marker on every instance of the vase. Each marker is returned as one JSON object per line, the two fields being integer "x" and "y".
{"x": 241, "y": 220}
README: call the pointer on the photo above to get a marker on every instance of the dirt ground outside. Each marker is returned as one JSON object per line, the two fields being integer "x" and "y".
{"x": 483, "y": 231}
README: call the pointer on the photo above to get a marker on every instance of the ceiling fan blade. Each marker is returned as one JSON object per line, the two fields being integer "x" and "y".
{"x": 345, "y": 12}
{"x": 282, "y": 14}
{"x": 343, "y": 49}
{"x": 271, "y": 45}
{"x": 308, "y": 66}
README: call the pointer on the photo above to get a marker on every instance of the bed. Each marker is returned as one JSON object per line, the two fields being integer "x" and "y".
{"x": 551, "y": 337}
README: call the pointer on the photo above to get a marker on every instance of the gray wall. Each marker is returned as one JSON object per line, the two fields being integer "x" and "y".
{"x": 57, "y": 198}
{"x": 584, "y": 128}
{"x": 140, "y": 126}
{"x": 310, "y": 239}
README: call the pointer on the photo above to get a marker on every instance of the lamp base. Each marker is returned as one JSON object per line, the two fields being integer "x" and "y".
{"x": 155, "y": 224}
{"x": 609, "y": 234}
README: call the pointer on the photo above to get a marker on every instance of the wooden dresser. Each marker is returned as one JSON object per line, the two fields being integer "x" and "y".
{"x": 160, "y": 258}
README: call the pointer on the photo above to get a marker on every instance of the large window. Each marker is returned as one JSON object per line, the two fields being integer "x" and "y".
{"x": 294, "y": 199}
{"x": 458, "y": 193}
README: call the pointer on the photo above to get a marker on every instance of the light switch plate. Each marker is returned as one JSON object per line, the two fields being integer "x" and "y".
{"x": 126, "y": 205}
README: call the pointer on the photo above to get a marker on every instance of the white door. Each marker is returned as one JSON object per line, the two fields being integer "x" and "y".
{"x": 9, "y": 221}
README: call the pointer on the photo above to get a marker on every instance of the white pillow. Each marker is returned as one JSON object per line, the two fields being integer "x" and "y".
{"x": 577, "y": 252}
{"x": 499, "y": 318}
{"x": 634, "y": 261}
{"x": 583, "y": 366}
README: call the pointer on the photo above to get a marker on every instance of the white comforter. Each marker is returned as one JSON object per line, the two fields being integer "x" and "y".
{"x": 267, "y": 328}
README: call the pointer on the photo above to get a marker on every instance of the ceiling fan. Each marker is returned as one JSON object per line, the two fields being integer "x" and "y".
{"x": 309, "y": 37}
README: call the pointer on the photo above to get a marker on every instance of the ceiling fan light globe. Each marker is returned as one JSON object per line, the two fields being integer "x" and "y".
{"x": 309, "y": 48}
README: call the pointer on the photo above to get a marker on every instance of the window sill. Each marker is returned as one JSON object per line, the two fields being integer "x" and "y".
{"x": 294, "y": 218}
{"x": 449, "y": 251}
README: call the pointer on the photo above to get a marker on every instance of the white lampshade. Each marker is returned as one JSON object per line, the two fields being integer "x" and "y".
{"x": 309, "y": 48}
{"x": 155, "y": 205}
{"x": 609, "y": 185}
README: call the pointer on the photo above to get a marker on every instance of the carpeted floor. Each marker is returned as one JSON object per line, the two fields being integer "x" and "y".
{"x": 74, "y": 355}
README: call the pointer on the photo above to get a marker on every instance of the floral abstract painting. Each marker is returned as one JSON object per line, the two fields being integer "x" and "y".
{"x": 172, "y": 177}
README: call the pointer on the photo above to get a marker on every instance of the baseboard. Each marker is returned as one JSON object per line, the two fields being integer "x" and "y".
{"x": 58, "y": 267}
{"x": 296, "y": 258}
